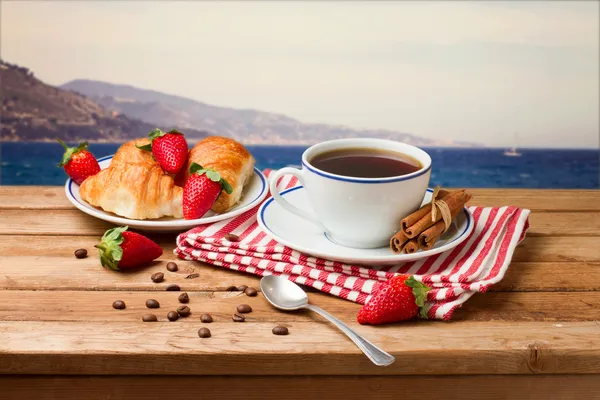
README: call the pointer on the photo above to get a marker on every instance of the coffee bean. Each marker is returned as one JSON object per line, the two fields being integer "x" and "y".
{"x": 171, "y": 266}
{"x": 244, "y": 308}
{"x": 183, "y": 311}
{"x": 149, "y": 318}
{"x": 242, "y": 288}
{"x": 173, "y": 288}
{"x": 184, "y": 298}
{"x": 231, "y": 237}
{"x": 204, "y": 332}
{"x": 119, "y": 305}
{"x": 151, "y": 303}
{"x": 251, "y": 292}
{"x": 81, "y": 253}
{"x": 232, "y": 289}
{"x": 238, "y": 318}
{"x": 206, "y": 318}
{"x": 172, "y": 316}
{"x": 280, "y": 330}
{"x": 157, "y": 277}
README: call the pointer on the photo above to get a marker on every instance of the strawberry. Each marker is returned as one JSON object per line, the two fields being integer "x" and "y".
{"x": 201, "y": 190}
{"x": 398, "y": 299}
{"x": 120, "y": 248}
{"x": 78, "y": 162}
{"x": 169, "y": 149}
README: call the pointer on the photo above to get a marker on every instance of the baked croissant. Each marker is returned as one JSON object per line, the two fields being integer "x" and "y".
{"x": 134, "y": 186}
{"x": 230, "y": 159}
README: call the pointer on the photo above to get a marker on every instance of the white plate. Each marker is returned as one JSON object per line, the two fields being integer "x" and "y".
{"x": 254, "y": 192}
{"x": 301, "y": 235}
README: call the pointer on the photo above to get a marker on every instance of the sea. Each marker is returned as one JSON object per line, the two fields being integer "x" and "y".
{"x": 26, "y": 163}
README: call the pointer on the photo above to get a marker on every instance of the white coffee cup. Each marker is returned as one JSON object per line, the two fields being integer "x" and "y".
{"x": 357, "y": 212}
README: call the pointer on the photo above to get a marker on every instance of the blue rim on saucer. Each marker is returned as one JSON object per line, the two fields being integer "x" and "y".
{"x": 314, "y": 242}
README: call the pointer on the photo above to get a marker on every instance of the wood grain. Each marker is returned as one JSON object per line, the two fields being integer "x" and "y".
{"x": 53, "y": 197}
{"x": 75, "y": 222}
{"x": 56, "y": 317}
{"x": 68, "y": 273}
{"x": 167, "y": 348}
{"x": 477, "y": 387}
{"x": 532, "y": 249}
{"x": 82, "y": 306}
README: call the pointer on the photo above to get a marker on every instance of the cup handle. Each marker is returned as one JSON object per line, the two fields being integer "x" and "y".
{"x": 284, "y": 203}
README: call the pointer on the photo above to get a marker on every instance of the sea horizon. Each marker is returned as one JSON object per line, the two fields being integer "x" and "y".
{"x": 34, "y": 163}
{"x": 308, "y": 144}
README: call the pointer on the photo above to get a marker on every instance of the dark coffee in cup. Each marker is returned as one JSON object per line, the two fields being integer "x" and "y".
{"x": 365, "y": 163}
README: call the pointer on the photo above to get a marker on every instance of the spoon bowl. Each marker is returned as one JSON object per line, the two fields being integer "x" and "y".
{"x": 282, "y": 293}
{"x": 286, "y": 295}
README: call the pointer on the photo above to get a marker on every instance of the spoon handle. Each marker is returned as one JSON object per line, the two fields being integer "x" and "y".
{"x": 375, "y": 354}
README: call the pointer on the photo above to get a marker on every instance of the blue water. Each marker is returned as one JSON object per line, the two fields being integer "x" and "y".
{"x": 35, "y": 164}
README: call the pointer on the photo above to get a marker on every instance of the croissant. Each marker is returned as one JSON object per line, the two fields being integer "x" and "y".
{"x": 230, "y": 159}
{"x": 134, "y": 186}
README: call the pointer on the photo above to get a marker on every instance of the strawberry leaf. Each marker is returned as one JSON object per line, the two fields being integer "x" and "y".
{"x": 420, "y": 292}
{"x": 226, "y": 186}
{"x": 196, "y": 168}
{"x": 70, "y": 151}
{"x": 213, "y": 175}
{"x": 146, "y": 147}
{"x": 175, "y": 131}
{"x": 156, "y": 133}
{"x": 110, "y": 250}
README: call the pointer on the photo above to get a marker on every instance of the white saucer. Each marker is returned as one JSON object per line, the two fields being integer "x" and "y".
{"x": 303, "y": 236}
{"x": 254, "y": 192}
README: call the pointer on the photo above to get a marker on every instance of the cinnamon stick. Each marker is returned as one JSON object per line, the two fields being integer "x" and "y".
{"x": 411, "y": 219}
{"x": 454, "y": 200}
{"x": 411, "y": 246}
{"x": 397, "y": 242}
{"x": 431, "y": 235}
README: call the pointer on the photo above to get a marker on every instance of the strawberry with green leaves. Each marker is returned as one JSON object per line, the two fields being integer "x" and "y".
{"x": 78, "y": 163}
{"x": 201, "y": 190}
{"x": 399, "y": 299}
{"x": 121, "y": 249}
{"x": 169, "y": 149}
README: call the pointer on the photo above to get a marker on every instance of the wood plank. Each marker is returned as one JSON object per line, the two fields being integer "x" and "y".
{"x": 164, "y": 348}
{"x": 75, "y": 222}
{"x": 51, "y": 222}
{"x": 477, "y": 387}
{"x": 67, "y": 273}
{"x": 532, "y": 249}
{"x": 564, "y": 224}
{"x": 538, "y": 199}
{"x": 96, "y": 306}
{"x": 53, "y": 197}
{"x": 550, "y": 276}
{"x": 34, "y": 198}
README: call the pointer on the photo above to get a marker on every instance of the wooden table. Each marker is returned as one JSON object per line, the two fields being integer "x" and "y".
{"x": 536, "y": 334}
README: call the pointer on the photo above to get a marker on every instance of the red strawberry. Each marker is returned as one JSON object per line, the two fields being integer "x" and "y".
{"x": 122, "y": 249}
{"x": 169, "y": 149}
{"x": 201, "y": 190}
{"x": 398, "y": 299}
{"x": 78, "y": 162}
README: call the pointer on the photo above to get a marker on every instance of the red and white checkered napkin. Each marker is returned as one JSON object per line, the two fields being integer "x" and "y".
{"x": 454, "y": 276}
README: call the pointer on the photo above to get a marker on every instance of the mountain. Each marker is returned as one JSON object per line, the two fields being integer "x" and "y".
{"x": 246, "y": 125}
{"x": 34, "y": 111}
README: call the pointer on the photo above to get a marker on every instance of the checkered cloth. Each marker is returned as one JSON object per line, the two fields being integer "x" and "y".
{"x": 454, "y": 276}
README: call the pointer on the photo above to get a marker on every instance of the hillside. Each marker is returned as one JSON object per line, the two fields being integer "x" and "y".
{"x": 34, "y": 111}
{"x": 248, "y": 126}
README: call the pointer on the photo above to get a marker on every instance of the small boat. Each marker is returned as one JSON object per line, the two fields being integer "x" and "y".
{"x": 513, "y": 151}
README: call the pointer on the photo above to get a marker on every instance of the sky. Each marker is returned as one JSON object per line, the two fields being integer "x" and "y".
{"x": 498, "y": 73}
